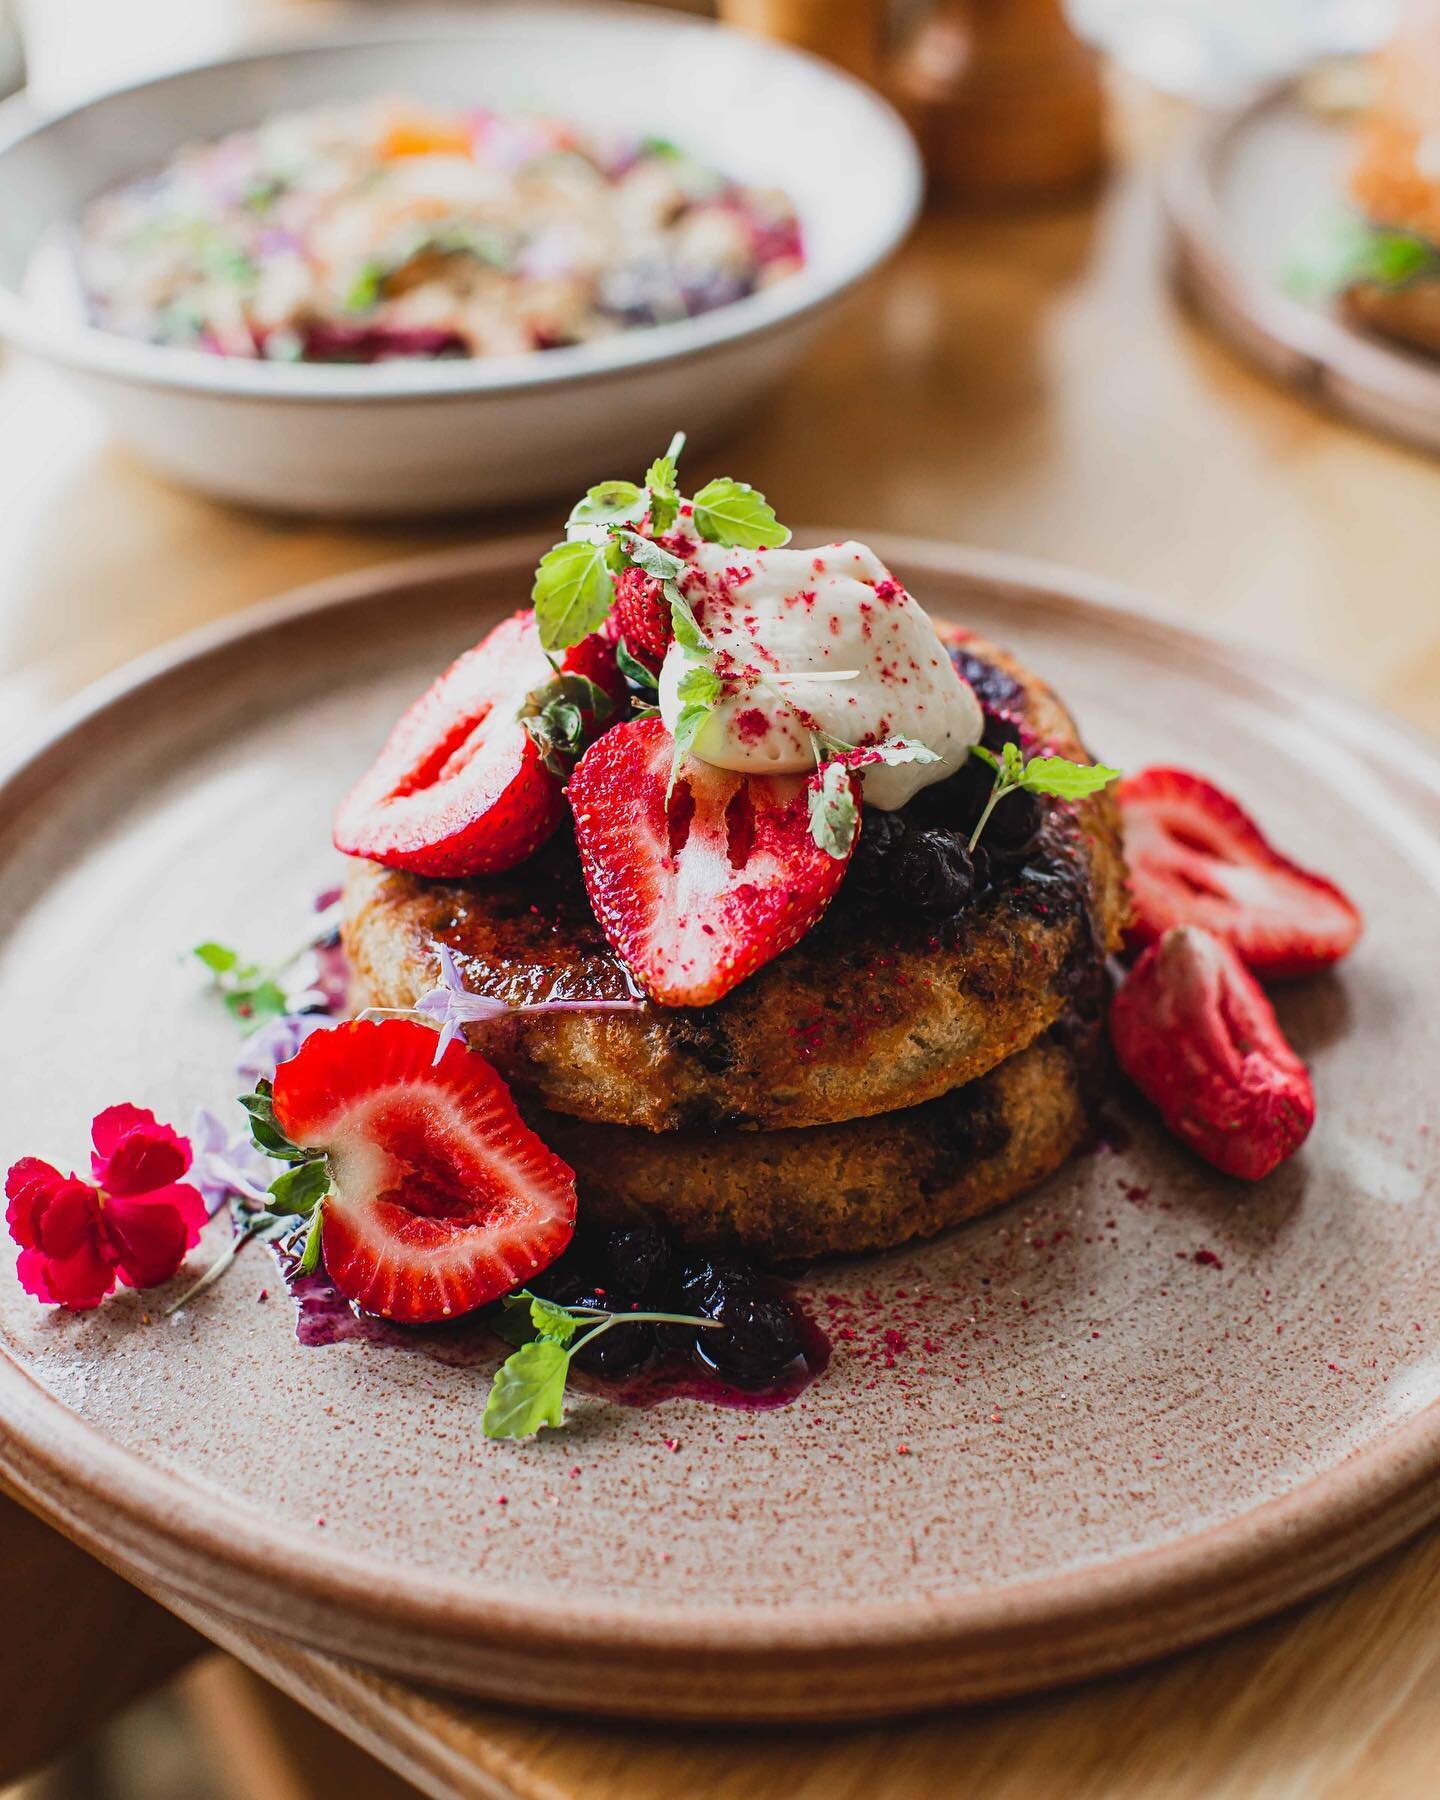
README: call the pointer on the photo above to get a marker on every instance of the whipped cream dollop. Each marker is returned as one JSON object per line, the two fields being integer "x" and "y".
{"x": 820, "y": 641}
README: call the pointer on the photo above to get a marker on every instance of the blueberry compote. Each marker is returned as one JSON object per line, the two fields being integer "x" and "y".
{"x": 913, "y": 868}
{"x": 763, "y": 1351}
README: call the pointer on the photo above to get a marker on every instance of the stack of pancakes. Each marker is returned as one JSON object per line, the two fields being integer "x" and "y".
{"x": 887, "y": 1077}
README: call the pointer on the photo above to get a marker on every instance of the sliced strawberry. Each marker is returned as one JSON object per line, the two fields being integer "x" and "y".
{"x": 1197, "y": 858}
{"x": 442, "y": 1198}
{"x": 1193, "y": 1030}
{"x": 700, "y": 892}
{"x": 643, "y": 615}
{"x": 461, "y": 787}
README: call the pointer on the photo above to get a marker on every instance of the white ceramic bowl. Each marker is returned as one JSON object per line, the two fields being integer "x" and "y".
{"x": 429, "y": 437}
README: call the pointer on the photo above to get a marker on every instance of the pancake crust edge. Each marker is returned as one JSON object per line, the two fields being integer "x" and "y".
{"x": 843, "y": 1026}
{"x": 867, "y": 1185}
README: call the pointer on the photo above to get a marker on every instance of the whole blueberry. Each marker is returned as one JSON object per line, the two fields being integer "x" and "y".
{"x": 1015, "y": 823}
{"x": 998, "y": 731}
{"x": 871, "y": 872}
{"x": 634, "y": 1259}
{"x": 757, "y": 1339}
{"x": 994, "y": 689}
{"x": 619, "y": 1351}
{"x": 934, "y": 872}
{"x": 958, "y": 800}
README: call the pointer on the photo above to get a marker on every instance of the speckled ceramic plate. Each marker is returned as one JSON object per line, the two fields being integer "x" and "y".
{"x": 1241, "y": 199}
{"x": 1140, "y": 1407}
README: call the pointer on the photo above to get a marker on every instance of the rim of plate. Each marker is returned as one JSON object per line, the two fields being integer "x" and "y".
{"x": 1286, "y": 1548}
{"x": 95, "y": 351}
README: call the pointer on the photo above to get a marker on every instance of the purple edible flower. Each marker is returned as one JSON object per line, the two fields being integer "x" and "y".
{"x": 275, "y": 1042}
{"x": 455, "y": 1007}
{"x": 226, "y": 1165}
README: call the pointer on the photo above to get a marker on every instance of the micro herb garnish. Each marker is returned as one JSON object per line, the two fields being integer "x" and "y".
{"x": 573, "y": 593}
{"x": 834, "y": 812}
{"x": 634, "y": 670}
{"x": 529, "y": 1386}
{"x": 297, "y": 1193}
{"x": 698, "y": 688}
{"x": 732, "y": 512}
{"x": 834, "y": 816}
{"x": 253, "y": 993}
{"x": 574, "y": 586}
{"x": 660, "y": 480}
{"x": 561, "y": 715}
{"x": 1038, "y": 775}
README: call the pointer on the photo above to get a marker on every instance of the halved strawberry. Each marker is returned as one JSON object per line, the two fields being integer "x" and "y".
{"x": 700, "y": 892}
{"x": 1197, "y": 858}
{"x": 441, "y": 1198}
{"x": 1193, "y": 1030}
{"x": 643, "y": 614}
{"x": 461, "y": 787}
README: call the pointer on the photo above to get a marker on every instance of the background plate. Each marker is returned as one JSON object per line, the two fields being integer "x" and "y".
{"x": 1051, "y": 1443}
{"x": 1241, "y": 199}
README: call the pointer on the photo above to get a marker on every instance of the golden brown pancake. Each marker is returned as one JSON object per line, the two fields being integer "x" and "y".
{"x": 871, "y": 1011}
{"x": 832, "y": 1189}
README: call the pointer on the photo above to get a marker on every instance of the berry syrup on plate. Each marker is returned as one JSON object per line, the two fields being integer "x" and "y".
{"x": 766, "y": 1350}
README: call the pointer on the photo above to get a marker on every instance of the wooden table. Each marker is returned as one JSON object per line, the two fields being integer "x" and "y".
{"x": 1023, "y": 384}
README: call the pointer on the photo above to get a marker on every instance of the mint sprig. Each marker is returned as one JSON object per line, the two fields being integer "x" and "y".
{"x": 1038, "y": 775}
{"x": 574, "y": 588}
{"x": 528, "y": 1391}
{"x": 251, "y": 993}
{"x": 660, "y": 484}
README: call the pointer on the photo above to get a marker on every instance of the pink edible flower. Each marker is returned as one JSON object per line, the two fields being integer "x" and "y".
{"x": 133, "y": 1222}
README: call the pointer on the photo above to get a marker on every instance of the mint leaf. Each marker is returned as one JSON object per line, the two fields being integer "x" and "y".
{"x": 1066, "y": 780}
{"x": 732, "y": 512}
{"x": 683, "y": 623}
{"x": 300, "y": 1189}
{"x": 651, "y": 558}
{"x": 552, "y": 1321}
{"x": 610, "y": 502}
{"x": 687, "y": 729}
{"x": 699, "y": 686}
{"x": 899, "y": 750}
{"x": 528, "y": 1391}
{"x": 572, "y": 595}
{"x": 310, "y": 1255}
{"x": 634, "y": 670}
{"x": 834, "y": 816}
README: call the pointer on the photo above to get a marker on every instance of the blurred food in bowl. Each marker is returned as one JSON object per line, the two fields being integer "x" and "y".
{"x": 412, "y": 434}
{"x": 362, "y": 233}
